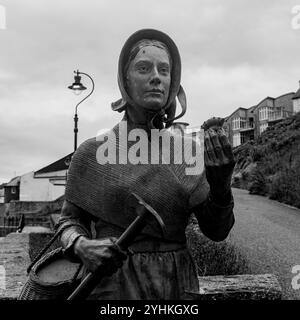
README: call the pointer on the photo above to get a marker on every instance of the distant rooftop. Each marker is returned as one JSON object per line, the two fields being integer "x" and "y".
{"x": 251, "y": 109}
{"x": 61, "y": 164}
{"x": 297, "y": 94}
{"x": 14, "y": 182}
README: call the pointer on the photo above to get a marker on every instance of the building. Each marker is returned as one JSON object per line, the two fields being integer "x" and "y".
{"x": 240, "y": 126}
{"x": 2, "y": 192}
{"x": 246, "y": 124}
{"x": 46, "y": 184}
{"x": 296, "y": 100}
{"x": 12, "y": 189}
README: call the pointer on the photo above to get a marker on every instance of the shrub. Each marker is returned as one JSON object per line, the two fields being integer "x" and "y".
{"x": 256, "y": 154}
{"x": 276, "y": 153}
{"x": 285, "y": 187}
{"x": 214, "y": 258}
{"x": 258, "y": 183}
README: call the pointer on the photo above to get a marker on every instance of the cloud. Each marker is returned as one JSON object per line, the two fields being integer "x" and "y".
{"x": 218, "y": 91}
{"x": 234, "y": 53}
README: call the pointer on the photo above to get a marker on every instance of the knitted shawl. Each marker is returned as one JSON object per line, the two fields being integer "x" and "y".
{"x": 104, "y": 190}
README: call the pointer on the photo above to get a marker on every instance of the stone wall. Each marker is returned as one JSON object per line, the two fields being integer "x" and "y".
{"x": 36, "y": 213}
{"x": 17, "y": 250}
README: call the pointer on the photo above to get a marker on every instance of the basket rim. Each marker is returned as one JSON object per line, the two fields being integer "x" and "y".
{"x": 49, "y": 257}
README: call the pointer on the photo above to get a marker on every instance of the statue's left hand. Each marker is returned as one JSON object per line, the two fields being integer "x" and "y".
{"x": 219, "y": 162}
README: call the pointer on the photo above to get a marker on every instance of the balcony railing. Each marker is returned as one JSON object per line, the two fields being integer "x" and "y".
{"x": 278, "y": 115}
{"x": 247, "y": 126}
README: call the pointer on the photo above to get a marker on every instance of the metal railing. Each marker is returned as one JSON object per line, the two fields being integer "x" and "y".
{"x": 276, "y": 115}
{"x": 247, "y": 125}
{"x": 280, "y": 114}
{"x": 8, "y": 225}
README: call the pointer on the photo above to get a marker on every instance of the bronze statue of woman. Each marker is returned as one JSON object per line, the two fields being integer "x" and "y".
{"x": 157, "y": 267}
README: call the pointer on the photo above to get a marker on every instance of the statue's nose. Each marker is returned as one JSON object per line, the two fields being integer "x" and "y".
{"x": 155, "y": 81}
{"x": 155, "y": 77}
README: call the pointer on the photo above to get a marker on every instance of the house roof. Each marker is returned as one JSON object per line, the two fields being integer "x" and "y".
{"x": 57, "y": 165}
{"x": 274, "y": 99}
{"x": 251, "y": 109}
{"x": 14, "y": 182}
{"x": 260, "y": 102}
{"x": 285, "y": 94}
{"x": 234, "y": 112}
{"x": 2, "y": 185}
{"x": 297, "y": 94}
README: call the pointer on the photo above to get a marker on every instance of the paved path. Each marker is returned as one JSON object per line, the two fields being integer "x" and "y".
{"x": 268, "y": 233}
{"x": 15, "y": 259}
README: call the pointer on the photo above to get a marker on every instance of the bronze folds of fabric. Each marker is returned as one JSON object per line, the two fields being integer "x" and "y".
{"x": 104, "y": 190}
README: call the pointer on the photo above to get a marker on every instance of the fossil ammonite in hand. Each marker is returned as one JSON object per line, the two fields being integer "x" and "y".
{"x": 213, "y": 123}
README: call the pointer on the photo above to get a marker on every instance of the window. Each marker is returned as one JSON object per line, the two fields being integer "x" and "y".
{"x": 296, "y": 105}
{"x": 236, "y": 139}
{"x": 243, "y": 123}
{"x": 244, "y": 137}
{"x": 236, "y": 123}
{"x": 265, "y": 113}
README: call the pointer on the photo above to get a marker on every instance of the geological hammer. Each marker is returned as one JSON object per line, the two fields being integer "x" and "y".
{"x": 144, "y": 211}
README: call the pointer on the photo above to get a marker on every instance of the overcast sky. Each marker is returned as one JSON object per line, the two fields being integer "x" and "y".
{"x": 234, "y": 53}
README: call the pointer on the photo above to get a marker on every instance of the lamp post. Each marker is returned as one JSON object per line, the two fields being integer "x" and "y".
{"x": 77, "y": 88}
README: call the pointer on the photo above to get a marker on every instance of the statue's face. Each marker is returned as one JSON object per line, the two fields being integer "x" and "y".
{"x": 149, "y": 78}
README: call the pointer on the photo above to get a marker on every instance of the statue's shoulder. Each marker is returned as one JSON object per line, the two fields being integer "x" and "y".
{"x": 86, "y": 146}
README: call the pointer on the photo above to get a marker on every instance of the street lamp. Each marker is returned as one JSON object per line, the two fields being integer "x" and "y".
{"x": 77, "y": 88}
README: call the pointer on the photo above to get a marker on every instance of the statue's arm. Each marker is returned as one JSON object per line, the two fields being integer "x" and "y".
{"x": 213, "y": 200}
{"x": 215, "y": 220}
{"x": 215, "y": 216}
{"x": 76, "y": 223}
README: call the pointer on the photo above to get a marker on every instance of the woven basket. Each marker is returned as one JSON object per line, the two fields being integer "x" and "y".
{"x": 53, "y": 277}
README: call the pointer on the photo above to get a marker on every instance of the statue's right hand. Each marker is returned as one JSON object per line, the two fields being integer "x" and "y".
{"x": 104, "y": 254}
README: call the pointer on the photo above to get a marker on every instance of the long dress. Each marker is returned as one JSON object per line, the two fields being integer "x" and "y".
{"x": 161, "y": 266}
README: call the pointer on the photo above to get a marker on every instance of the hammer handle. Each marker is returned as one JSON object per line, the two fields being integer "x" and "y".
{"x": 92, "y": 279}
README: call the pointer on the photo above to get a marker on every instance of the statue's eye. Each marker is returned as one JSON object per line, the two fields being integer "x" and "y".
{"x": 142, "y": 67}
{"x": 164, "y": 69}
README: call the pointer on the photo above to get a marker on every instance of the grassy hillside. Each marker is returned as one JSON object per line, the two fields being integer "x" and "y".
{"x": 270, "y": 165}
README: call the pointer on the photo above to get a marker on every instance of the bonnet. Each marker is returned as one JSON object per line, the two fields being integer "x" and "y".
{"x": 165, "y": 116}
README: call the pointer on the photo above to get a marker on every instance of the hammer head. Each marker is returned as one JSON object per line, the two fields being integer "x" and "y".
{"x": 145, "y": 208}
